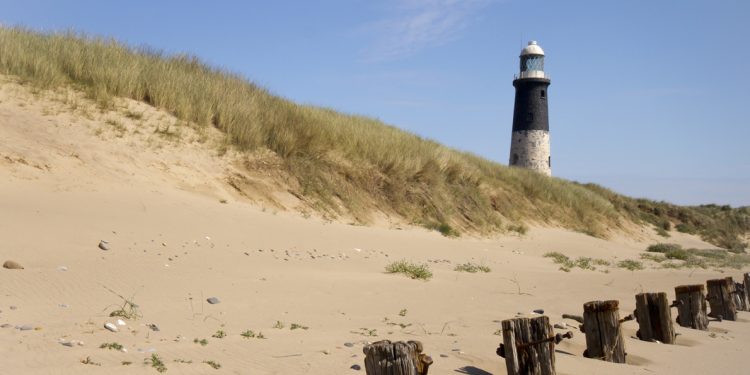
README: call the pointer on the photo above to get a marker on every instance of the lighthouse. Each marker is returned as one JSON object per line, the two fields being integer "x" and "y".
{"x": 529, "y": 146}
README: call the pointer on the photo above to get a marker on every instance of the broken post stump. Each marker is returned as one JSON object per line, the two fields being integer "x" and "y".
{"x": 691, "y": 306}
{"x": 601, "y": 323}
{"x": 654, "y": 318}
{"x": 721, "y": 299}
{"x": 740, "y": 297}
{"x": 529, "y": 346}
{"x": 396, "y": 358}
{"x": 746, "y": 278}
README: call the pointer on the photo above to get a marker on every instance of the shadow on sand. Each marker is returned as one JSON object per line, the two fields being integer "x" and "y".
{"x": 471, "y": 370}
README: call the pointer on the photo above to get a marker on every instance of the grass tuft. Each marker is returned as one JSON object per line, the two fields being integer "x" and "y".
{"x": 413, "y": 270}
{"x": 630, "y": 264}
{"x": 472, "y": 268}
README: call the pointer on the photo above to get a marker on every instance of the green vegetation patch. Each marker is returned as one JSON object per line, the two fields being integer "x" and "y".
{"x": 695, "y": 258}
{"x": 413, "y": 270}
{"x": 567, "y": 264}
{"x": 155, "y": 362}
{"x": 472, "y": 268}
{"x": 111, "y": 346}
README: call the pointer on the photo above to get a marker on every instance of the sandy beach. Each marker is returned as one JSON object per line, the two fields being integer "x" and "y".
{"x": 316, "y": 289}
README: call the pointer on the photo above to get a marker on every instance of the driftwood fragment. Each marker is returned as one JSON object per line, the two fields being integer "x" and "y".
{"x": 654, "y": 317}
{"x": 396, "y": 358}
{"x": 691, "y": 306}
{"x": 721, "y": 299}
{"x": 601, "y": 322}
{"x": 529, "y": 346}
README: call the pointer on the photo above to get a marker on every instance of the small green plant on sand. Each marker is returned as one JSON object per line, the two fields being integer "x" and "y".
{"x": 249, "y": 334}
{"x": 220, "y": 334}
{"x": 111, "y": 346}
{"x": 213, "y": 364}
{"x": 279, "y": 325}
{"x": 402, "y": 312}
{"x": 567, "y": 264}
{"x": 298, "y": 326}
{"x": 366, "y": 332}
{"x": 203, "y": 342}
{"x": 472, "y": 268}
{"x": 413, "y": 270}
{"x": 155, "y": 362}
{"x": 128, "y": 309}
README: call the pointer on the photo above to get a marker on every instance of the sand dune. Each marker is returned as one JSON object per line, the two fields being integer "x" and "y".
{"x": 70, "y": 179}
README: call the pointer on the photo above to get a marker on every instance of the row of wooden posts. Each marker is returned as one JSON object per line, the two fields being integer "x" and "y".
{"x": 529, "y": 342}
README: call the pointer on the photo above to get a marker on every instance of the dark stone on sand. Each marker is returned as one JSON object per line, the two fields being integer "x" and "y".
{"x": 212, "y": 300}
{"x": 356, "y": 367}
{"x": 12, "y": 265}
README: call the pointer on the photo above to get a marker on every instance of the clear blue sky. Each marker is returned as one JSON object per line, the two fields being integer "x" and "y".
{"x": 648, "y": 97}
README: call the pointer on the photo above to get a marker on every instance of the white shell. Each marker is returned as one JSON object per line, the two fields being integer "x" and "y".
{"x": 110, "y": 327}
{"x": 120, "y": 322}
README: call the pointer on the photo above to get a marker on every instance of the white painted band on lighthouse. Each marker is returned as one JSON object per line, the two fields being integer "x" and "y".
{"x": 530, "y": 149}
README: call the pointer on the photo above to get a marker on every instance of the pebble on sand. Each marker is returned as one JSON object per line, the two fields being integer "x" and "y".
{"x": 104, "y": 245}
{"x": 111, "y": 327}
{"x": 12, "y": 265}
{"x": 356, "y": 367}
{"x": 212, "y": 300}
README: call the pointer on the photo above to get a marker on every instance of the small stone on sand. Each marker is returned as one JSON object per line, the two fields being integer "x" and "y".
{"x": 356, "y": 367}
{"x": 110, "y": 327}
{"x": 212, "y": 300}
{"x": 104, "y": 245}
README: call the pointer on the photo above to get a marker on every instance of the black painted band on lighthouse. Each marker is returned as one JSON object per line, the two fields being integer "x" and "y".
{"x": 530, "y": 110}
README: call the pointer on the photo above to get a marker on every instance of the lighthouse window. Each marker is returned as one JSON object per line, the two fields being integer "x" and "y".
{"x": 515, "y": 159}
{"x": 529, "y": 116}
{"x": 543, "y": 94}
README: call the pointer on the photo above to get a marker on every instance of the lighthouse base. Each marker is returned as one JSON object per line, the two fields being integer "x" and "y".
{"x": 530, "y": 149}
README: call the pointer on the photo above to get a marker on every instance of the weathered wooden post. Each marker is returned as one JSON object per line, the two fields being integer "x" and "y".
{"x": 654, "y": 318}
{"x": 691, "y": 306}
{"x": 397, "y": 358}
{"x": 740, "y": 297}
{"x": 529, "y": 346}
{"x": 746, "y": 277}
{"x": 721, "y": 299}
{"x": 601, "y": 323}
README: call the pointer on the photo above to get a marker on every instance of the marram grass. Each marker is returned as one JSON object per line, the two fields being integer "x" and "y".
{"x": 339, "y": 164}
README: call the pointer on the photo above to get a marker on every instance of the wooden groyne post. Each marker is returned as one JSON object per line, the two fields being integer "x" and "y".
{"x": 601, "y": 323}
{"x": 746, "y": 278}
{"x": 721, "y": 299}
{"x": 396, "y": 358}
{"x": 529, "y": 346}
{"x": 691, "y": 306}
{"x": 654, "y": 317}
{"x": 740, "y": 298}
